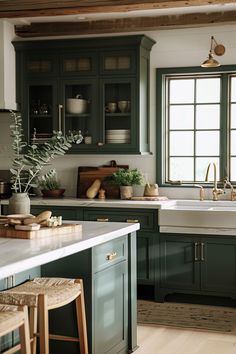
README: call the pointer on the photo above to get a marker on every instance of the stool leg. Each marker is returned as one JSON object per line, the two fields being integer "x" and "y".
{"x": 81, "y": 320}
{"x": 43, "y": 324}
{"x": 24, "y": 334}
{"x": 33, "y": 313}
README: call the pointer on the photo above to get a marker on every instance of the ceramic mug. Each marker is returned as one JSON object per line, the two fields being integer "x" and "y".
{"x": 123, "y": 106}
{"x": 111, "y": 107}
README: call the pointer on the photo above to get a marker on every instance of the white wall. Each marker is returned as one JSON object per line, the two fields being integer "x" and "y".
{"x": 174, "y": 48}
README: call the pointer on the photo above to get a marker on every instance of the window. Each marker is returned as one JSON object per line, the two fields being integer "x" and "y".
{"x": 196, "y": 124}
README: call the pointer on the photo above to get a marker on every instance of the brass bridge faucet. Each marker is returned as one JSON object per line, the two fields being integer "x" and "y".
{"x": 215, "y": 191}
{"x": 228, "y": 183}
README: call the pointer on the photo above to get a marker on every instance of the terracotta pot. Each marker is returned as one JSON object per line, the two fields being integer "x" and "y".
{"x": 55, "y": 193}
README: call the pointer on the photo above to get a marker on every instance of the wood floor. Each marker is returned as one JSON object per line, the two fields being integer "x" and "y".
{"x": 164, "y": 340}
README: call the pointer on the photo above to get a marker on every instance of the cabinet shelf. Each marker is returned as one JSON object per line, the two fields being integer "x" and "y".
{"x": 40, "y": 116}
{"x": 74, "y": 115}
{"x": 118, "y": 114}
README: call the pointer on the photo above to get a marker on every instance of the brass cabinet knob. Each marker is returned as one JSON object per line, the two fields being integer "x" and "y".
{"x": 103, "y": 219}
{"x": 100, "y": 143}
{"x": 132, "y": 220}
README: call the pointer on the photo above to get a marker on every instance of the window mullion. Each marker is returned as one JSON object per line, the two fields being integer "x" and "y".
{"x": 224, "y": 128}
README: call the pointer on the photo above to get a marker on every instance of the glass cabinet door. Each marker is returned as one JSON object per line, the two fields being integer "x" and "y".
{"x": 118, "y": 62}
{"x": 80, "y": 107}
{"x": 118, "y": 113}
{"x": 42, "y": 111}
{"x": 41, "y": 65}
{"x": 78, "y": 64}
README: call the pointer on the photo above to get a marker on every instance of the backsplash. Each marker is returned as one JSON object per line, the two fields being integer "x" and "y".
{"x": 67, "y": 167}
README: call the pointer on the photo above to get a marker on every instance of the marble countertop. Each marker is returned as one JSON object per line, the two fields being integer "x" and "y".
{"x": 17, "y": 255}
{"x": 107, "y": 203}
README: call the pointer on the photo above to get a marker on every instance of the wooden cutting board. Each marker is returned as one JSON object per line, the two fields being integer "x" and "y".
{"x": 150, "y": 198}
{"x": 88, "y": 174}
{"x": 9, "y": 231}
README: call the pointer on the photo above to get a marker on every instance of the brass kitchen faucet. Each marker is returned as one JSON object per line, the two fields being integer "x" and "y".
{"x": 215, "y": 191}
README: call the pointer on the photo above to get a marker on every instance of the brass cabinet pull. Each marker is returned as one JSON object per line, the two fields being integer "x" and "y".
{"x": 196, "y": 251}
{"x": 60, "y": 107}
{"x": 132, "y": 220}
{"x": 111, "y": 256}
{"x": 202, "y": 252}
{"x": 103, "y": 219}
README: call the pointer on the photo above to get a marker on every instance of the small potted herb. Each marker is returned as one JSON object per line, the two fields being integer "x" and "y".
{"x": 126, "y": 179}
{"x": 50, "y": 185}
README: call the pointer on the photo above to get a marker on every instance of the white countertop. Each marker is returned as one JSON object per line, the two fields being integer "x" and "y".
{"x": 107, "y": 203}
{"x": 17, "y": 255}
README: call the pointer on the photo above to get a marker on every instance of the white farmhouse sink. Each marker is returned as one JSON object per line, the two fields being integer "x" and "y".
{"x": 195, "y": 213}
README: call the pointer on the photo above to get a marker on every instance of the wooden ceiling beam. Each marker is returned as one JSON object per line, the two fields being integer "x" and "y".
{"x": 123, "y": 25}
{"x": 32, "y": 8}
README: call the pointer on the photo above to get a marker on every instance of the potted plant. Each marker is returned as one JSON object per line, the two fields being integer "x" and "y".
{"x": 50, "y": 185}
{"x": 126, "y": 179}
{"x": 29, "y": 159}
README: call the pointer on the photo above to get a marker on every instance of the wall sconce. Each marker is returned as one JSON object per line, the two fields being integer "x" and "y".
{"x": 218, "y": 49}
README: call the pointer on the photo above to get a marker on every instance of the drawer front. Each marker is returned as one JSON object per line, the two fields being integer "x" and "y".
{"x": 67, "y": 213}
{"x": 109, "y": 253}
{"x": 147, "y": 219}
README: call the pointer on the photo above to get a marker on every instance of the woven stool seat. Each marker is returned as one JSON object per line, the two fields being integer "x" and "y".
{"x": 11, "y": 318}
{"x": 42, "y": 295}
{"x": 58, "y": 290}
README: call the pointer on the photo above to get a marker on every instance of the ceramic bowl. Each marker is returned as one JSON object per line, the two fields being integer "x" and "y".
{"x": 56, "y": 193}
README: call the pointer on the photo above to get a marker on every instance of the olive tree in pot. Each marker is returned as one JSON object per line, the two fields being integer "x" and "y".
{"x": 29, "y": 159}
{"x": 126, "y": 179}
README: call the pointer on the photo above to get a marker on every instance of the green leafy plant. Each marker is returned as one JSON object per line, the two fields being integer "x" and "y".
{"x": 127, "y": 177}
{"x": 49, "y": 181}
{"x": 29, "y": 159}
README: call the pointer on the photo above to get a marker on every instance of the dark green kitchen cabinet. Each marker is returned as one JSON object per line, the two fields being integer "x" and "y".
{"x": 110, "y": 288}
{"x": 147, "y": 238}
{"x": 147, "y": 257}
{"x": 98, "y": 71}
{"x": 105, "y": 270}
{"x": 179, "y": 267}
{"x": 218, "y": 265}
{"x": 67, "y": 213}
{"x": 196, "y": 264}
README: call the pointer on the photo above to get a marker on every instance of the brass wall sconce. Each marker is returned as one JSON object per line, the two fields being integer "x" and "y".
{"x": 217, "y": 49}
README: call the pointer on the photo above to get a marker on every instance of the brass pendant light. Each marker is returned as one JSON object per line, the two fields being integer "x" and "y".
{"x": 218, "y": 49}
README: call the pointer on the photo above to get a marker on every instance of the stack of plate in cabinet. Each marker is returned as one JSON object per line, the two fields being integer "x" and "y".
{"x": 118, "y": 136}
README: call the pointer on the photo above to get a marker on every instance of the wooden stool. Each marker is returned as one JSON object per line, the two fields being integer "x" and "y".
{"x": 11, "y": 318}
{"x": 42, "y": 295}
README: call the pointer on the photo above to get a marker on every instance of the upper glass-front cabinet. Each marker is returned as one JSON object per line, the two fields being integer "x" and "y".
{"x": 78, "y": 64}
{"x": 41, "y": 64}
{"x": 118, "y": 62}
{"x": 99, "y": 86}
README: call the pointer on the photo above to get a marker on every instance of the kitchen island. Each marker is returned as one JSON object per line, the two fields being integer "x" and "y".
{"x": 104, "y": 255}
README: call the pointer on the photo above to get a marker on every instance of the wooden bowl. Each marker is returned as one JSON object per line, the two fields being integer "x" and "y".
{"x": 55, "y": 193}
